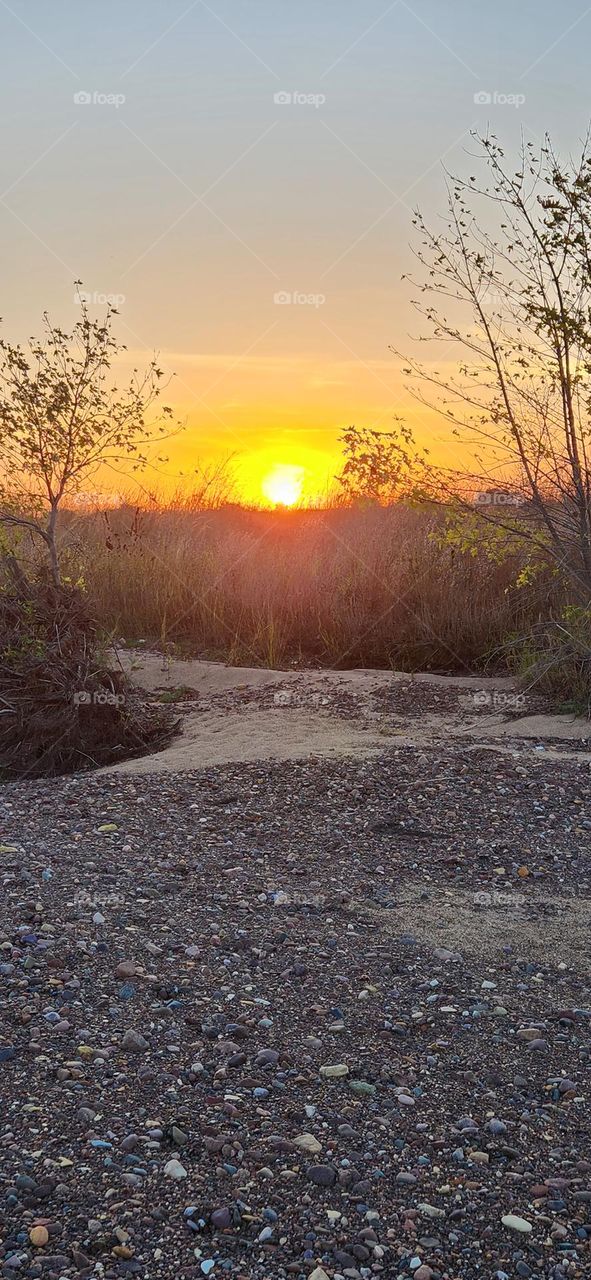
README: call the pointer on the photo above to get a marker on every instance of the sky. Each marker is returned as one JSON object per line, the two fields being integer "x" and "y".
{"x": 240, "y": 177}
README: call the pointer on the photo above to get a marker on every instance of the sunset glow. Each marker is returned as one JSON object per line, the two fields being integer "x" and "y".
{"x": 283, "y": 486}
{"x": 274, "y": 299}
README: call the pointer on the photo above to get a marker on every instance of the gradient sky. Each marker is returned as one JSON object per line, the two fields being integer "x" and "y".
{"x": 199, "y": 198}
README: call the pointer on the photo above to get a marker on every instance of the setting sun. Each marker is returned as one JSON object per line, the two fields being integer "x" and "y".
{"x": 283, "y": 485}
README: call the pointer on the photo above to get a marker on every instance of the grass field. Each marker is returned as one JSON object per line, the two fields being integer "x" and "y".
{"x": 342, "y": 587}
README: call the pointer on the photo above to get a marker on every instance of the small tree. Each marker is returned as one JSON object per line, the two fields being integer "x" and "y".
{"x": 513, "y": 314}
{"x": 62, "y": 416}
{"x": 380, "y": 466}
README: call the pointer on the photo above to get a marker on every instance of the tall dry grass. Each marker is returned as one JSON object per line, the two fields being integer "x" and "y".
{"x": 343, "y": 587}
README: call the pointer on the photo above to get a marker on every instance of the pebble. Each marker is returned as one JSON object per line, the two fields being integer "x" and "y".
{"x": 174, "y": 1169}
{"x": 38, "y": 1236}
{"x": 221, "y": 1218}
{"x": 323, "y": 1175}
{"x": 515, "y": 1223}
{"x": 236, "y": 1002}
{"x": 307, "y": 1142}
{"x": 133, "y": 1042}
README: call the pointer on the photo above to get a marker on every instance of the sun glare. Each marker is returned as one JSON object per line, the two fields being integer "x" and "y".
{"x": 283, "y": 485}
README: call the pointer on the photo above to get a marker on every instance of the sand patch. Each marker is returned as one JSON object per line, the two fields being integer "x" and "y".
{"x": 245, "y": 714}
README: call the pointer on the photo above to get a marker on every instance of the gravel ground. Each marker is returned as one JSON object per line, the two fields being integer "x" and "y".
{"x": 407, "y": 699}
{"x": 299, "y": 1019}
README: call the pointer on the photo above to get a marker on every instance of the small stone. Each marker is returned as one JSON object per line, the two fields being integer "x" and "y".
{"x": 85, "y": 1051}
{"x": 267, "y": 1058}
{"x": 133, "y": 1042}
{"x": 514, "y": 1223}
{"x": 497, "y": 1126}
{"x": 323, "y": 1175}
{"x": 174, "y": 1169}
{"x": 221, "y": 1218}
{"x": 307, "y": 1142}
{"x": 86, "y": 1114}
{"x": 39, "y": 1236}
{"x": 431, "y": 1211}
{"x": 334, "y": 1072}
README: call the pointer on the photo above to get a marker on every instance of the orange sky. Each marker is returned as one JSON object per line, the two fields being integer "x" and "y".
{"x": 270, "y": 413}
{"x": 242, "y": 177}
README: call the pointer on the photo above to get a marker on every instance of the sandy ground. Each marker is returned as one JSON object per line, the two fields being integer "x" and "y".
{"x": 240, "y": 715}
{"x": 153, "y": 671}
{"x": 243, "y": 714}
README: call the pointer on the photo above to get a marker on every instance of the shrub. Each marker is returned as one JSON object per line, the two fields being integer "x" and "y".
{"x": 555, "y": 658}
{"x": 61, "y": 709}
